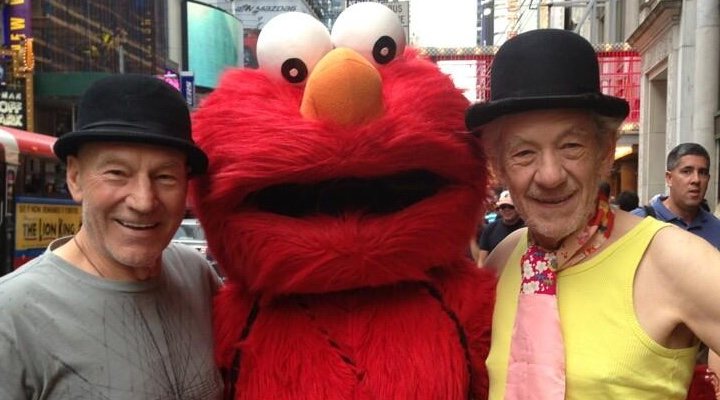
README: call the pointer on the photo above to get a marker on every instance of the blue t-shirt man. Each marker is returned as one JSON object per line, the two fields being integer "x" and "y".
{"x": 705, "y": 225}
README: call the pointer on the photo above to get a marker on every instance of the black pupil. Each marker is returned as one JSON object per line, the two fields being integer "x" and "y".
{"x": 384, "y": 50}
{"x": 294, "y": 70}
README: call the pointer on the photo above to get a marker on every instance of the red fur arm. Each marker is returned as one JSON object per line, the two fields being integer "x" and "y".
{"x": 471, "y": 295}
{"x": 232, "y": 306}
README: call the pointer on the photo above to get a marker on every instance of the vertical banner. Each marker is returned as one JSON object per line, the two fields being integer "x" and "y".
{"x": 487, "y": 25}
{"x": 250, "y": 37}
{"x": 187, "y": 87}
{"x": 18, "y": 23}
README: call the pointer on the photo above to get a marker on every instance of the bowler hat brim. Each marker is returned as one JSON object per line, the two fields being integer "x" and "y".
{"x": 69, "y": 144}
{"x": 482, "y": 113}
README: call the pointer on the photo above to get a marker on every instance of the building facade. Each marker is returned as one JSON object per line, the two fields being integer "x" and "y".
{"x": 76, "y": 42}
{"x": 679, "y": 41}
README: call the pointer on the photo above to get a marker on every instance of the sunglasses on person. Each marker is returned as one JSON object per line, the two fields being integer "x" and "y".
{"x": 506, "y": 207}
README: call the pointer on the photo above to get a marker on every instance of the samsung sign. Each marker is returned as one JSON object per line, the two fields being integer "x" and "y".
{"x": 255, "y": 14}
{"x": 254, "y": 8}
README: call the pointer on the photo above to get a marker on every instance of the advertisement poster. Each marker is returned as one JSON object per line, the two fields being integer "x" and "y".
{"x": 40, "y": 221}
{"x": 12, "y": 109}
{"x": 187, "y": 87}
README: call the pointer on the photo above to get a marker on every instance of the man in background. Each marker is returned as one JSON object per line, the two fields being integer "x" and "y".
{"x": 496, "y": 231}
{"x": 687, "y": 177}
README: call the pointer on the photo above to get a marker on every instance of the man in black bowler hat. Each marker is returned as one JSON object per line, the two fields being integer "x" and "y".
{"x": 592, "y": 302}
{"x": 115, "y": 312}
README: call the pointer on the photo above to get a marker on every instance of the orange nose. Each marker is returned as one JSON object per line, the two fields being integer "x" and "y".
{"x": 343, "y": 88}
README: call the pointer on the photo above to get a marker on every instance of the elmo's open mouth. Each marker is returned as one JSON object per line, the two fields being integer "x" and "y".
{"x": 381, "y": 195}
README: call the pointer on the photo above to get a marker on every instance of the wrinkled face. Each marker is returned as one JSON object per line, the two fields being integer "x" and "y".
{"x": 688, "y": 182}
{"x": 552, "y": 164}
{"x": 133, "y": 199}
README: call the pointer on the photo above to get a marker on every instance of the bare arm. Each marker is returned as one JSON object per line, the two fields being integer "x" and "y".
{"x": 676, "y": 296}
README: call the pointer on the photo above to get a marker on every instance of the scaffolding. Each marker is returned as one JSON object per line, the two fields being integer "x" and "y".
{"x": 620, "y": 72}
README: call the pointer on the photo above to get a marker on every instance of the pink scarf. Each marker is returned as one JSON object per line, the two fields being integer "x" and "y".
{"x": 536, "y": 368}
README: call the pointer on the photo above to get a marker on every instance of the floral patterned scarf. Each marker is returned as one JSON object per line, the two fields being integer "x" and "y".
{"x": 536, "y": 368}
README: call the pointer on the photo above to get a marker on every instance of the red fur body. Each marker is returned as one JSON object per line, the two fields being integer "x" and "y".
{"x": 356, "y": 305}
{"x": 700, "y": 387}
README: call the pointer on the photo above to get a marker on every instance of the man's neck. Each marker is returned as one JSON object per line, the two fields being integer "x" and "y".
{"x": 687, "y": 215}
{"x": 549, "y": 244}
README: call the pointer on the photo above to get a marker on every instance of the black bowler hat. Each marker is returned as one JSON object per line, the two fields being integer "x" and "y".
{"x": 136, "y": 109}
{"x": 544, "y": 69}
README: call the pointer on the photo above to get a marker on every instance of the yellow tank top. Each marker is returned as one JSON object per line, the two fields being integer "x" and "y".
{"x": 608, "y": 354}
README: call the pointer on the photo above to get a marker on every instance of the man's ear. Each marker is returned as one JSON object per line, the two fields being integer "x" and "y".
{"x": 73, "y": 179}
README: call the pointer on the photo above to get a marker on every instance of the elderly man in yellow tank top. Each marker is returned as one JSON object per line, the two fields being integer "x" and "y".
{"x": 593, "y": 303}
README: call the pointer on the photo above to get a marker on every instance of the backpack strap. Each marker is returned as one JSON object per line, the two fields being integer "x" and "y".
{"x": 649, "y": 211}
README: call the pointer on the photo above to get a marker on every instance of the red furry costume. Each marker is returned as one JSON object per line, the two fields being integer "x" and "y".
{"x": 344, "y": 238}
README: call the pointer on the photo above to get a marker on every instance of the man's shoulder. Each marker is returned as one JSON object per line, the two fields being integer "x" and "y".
{"x": 710, "y": 228}
{"x": 19, "y": 289}
{"x": 711, "y": 219}
{"x": 183, "y": 253}
{"x": 664, "y": 252}
{"x": 494, "y": 223}
{"x": 502, "y": 252}
{"x": 185, "y": 261}
{"x": 654, "y": 208}
{"x": 27, "y": 274}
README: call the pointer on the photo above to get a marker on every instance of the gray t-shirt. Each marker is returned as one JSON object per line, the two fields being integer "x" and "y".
{"x": 66, "y": 334}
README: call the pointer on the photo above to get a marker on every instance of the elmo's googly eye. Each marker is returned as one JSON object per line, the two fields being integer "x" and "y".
{"x": 290, "y": 45}
{"x": 371, "y": 29}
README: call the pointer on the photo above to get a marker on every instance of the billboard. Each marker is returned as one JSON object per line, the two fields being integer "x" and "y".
{"x": 39, "y": 221}
{"x": 13, "y": 112}
{"x": 214, "y": 42}
{"x": 255, "y": 13}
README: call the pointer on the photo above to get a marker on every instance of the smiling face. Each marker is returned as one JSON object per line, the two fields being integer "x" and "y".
{"x": 552, "y": 162}
{"x": 133, "y": 199}
{"x": 688, "y": 182}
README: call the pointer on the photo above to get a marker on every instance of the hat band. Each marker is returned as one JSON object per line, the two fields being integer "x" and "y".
{"x": 122, "y": 126}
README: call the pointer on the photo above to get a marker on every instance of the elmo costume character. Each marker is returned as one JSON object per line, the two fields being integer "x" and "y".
{"x": 342, "y": 191}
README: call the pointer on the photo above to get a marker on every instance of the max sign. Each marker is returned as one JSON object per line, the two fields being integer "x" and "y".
{"x": 12, "y": 109}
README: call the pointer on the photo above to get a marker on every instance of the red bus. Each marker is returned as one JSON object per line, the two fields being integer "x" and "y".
{"x": 35, "y": 207}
